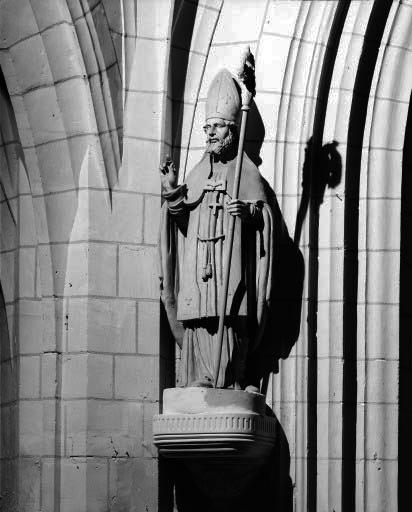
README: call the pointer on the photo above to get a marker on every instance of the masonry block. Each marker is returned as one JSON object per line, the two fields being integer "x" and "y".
{"x": 9, "y": 381}
{"x": 17, "y": 23}
{"x": 63, "y": 53}
{"x": 87, "y": 375}
{"x": 9, "y": 487}
{"x": 98, "y": 18}
{"x": 8, "y": 238}
{"x": 382, "y": 475}
{"x": 151, "y": 219}
{"x": 86, "y": 150}
{"x": 30, "y": 375}
{"x": 102, "y": 325}
{"x": 49, "y": 381}
{"x": 6, "y": 347}
{"x": 150, "y": 107}
{"x": 382, "y": 327}
{"x": 149, "y": 410}
{"x": 73, "y": 489}
{"x": 268, "y": 105}
{"x": 330, "y": 377}
{"x": 133, "y": 485}
{"x": 44, "y": 115}
{"x": 148, "y": 328}
{"x": 31, "y": 427}
{"x": 378, "y": 379}
{"x": 30, "y": 327}
{"x": 85, "y": 40}
{"x": 383, "y": 286}
{"x": 29, "y": 484}
{"x": 91, "y": 216}
{"x": 91, "y": 269}
{"x": 381, "y": 425}
{"x": 330, "y": 322}
{"x": 31, "y": 63}
{"x": 141, "y": 160}
{"x": 331, "y": 222}
{"x": 7, "y": 273}
{"x": 99, "y": 95}
{"x": 329, "y": 431}
{"x": 52, "y": 310}
{"x": 137, "y": 272}
{"x": 282, "y": 18}
{"x": 337, "y": 118}
{"x": 8, "y": 70}
{"x": 270, "y": 60}
{"x": 102, "y": 428}
{"x": 379, "y": 213}
{"x": 390, "y": 113}
{"x": 285, "y": 391}
{"x": 48, "y": 483}
{"x": 136, "y": 377}
{"x": 9, "y": 431}
{"x": 50, "y": 14}
{"x": 330, "y": 274}
{"x": 113, "y": 13}
{"x": 27, "y": 224}
{"x": 150, "y": 56}
{"x": 75, "y": 105}
{"x": 329, "y": 471}
{"x": 84, "y": 485}
{"x": 205, "y": 23}
{"x": 127, "y": 217}
{"x": 154, "y": 19}
{"x": 61, "y": 210}
{"x": 76, "y": 418}
{"x": 46, "y": 274}
{"x": 401, "y": 36}
{"x": 397, "y": 65}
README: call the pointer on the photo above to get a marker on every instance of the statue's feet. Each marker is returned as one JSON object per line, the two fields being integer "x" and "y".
{"x": 252, "y": 389}
{"x": 204, "y": 382}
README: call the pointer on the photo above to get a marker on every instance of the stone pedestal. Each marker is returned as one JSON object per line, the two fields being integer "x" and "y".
{"x": 203, "y": 423}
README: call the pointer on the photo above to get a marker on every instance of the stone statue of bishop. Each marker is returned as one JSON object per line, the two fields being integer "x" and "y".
{"x": 192, "y": 246}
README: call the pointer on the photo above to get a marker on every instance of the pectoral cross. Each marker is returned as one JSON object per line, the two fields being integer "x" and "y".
{"x": 215, "y": 207}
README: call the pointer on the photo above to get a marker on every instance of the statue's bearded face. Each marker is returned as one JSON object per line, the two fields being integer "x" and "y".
{"x": 220, "y": 135}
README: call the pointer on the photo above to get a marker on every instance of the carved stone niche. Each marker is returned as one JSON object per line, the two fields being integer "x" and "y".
{"x": 214, "y": 424}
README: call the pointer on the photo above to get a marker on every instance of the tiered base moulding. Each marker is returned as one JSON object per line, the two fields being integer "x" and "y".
{"x": 213, "y": 423}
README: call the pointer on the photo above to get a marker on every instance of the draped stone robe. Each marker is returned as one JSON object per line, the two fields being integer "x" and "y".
{"x": 192, "y": 249}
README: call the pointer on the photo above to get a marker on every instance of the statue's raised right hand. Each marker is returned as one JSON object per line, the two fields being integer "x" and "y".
{"x": 168, "y": 174}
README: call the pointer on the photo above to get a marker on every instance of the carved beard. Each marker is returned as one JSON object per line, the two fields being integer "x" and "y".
{"x": 221, "y": 146}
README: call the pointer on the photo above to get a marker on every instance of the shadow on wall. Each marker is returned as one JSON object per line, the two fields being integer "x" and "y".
{"x": 405, "y": 331}
{"x": 9, "y": 415}
{"x": 184, "y": 16}
{"x": 329, "y": 176}
{"x": 256, "y": 134}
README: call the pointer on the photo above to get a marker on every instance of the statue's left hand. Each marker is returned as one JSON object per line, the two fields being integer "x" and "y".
{"x": 239, "y": 208}
{"x": 168, "y": 174}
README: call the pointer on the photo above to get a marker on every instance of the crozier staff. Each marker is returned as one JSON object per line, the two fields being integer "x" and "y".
{"x": 193, "y": 247}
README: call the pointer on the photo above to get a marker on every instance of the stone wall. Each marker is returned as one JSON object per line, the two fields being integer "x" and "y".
{"x": 94, "y": 94}
{"x": 80, "y": 199}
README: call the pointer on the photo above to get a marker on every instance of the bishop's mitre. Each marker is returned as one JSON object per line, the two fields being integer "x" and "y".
{"x": 223, "y": 97}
